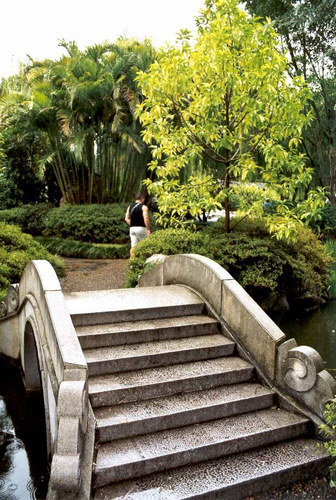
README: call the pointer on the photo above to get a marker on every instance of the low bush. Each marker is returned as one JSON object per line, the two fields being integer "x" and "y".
{"x": 16, "y": 250}
{"x": 88, "y": 223}
{"x": 265, "y": 267}
{"x": 83, "y": 250}
{"x": 93, "y": 223}
{"x": 30, "y": 218}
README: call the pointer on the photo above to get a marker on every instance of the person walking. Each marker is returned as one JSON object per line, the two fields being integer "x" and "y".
{"x": 137, "y": 218}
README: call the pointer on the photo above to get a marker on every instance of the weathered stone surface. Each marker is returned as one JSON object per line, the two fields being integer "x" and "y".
{"x": 198, "y": 272}
{"x": 146, "y": 454}
{"x": 155, "y": 382}
{"x": 65, "y": 472}
{"x": 130, "y": 419}
{"x": 229, "y": 478}
{"x": 301, "y": 373}
{"x": 161, "y": 353}
{"x": 145, "y": 331}
{"x": 12, "y": 298}
{"x": 134, "y": 304}
{"x": 252, "y": 326}
{"x": 257, "y": 333}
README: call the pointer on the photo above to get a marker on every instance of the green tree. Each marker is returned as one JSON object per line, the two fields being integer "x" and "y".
{"x": 226, "y": 97}
{"x": 83, "y": 108}
{"x": 308, "y": 32}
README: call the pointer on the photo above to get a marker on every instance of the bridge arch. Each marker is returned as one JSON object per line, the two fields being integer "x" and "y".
{"x": 31, "y": 364}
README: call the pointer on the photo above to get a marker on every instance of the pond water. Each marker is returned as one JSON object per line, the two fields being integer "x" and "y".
{"x": 316, "y": 329}
{"x": 23, "y": 463}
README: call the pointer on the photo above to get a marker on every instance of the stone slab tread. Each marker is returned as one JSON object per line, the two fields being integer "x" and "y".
{"x": 145, "y": 331}
{"x": 123, "y": 420}
{"x": 160, "y": 347}
{"x": 150, "y": 453}
{"x": 127, "y": 299}
{"x": 233, "y": 477}
{"x": 167, "y": 380}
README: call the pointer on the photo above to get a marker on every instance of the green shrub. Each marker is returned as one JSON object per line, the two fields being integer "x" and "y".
{"x": 93, "y": 223}
{"x": 325, "y": 225}
{"x": 88, "y": 223}
{"x": 329, "y": 431}
{"x": 80, "y": 249}
{"x": 30, "y": 218}
{"x": 16, "y": 250}
{"x": 265, "y": 267}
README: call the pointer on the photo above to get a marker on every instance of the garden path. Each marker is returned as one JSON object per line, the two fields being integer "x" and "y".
{"x": 93, "y": 274}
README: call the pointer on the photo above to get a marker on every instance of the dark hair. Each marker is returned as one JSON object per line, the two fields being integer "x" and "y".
{"x": 139, "y": 196}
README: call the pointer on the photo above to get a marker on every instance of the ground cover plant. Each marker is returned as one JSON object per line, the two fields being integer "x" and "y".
{"x": 267, "y": 268}
{"x": 16, "y": 250}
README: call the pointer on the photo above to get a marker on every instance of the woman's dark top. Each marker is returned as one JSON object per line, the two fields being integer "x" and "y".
{"x": 135, "y": 213}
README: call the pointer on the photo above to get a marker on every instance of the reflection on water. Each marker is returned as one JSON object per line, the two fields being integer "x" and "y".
{"x": 15, "y": 480}
{"x": 316, "y": 329}
{"x": 23, "y": 464}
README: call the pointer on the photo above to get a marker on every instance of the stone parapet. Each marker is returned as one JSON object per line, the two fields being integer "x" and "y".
{"x": 34, "y": 313}
{"x": 296, "y": 371}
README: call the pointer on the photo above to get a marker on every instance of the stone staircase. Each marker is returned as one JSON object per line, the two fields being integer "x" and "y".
{"x": 179, "y": 414}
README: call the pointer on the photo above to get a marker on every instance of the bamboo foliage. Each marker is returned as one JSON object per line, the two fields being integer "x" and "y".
{"x": 84, "y": 107}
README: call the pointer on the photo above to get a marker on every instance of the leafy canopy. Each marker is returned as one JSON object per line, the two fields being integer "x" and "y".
{"x": 228, "y": 98}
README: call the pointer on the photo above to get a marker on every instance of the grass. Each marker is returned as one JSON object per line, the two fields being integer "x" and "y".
{"x": 80, "y": 249}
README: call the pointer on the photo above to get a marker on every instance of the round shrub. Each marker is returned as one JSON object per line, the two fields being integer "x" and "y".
{"x": 16, "y": 250}
{"x": 266, "y": 268}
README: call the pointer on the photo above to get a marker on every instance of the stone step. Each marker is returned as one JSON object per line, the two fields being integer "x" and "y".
{"x": 131, "y": 419}
{"x": 137, "y": 456}
{"x": 145, "y": 331}
{"x": 106, "y": 390}
{"x": 148, "y": 355}
{"x": 230, "y": 478}
{"x": 132, "y": 304}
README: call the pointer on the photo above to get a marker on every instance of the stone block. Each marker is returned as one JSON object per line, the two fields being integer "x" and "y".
{"x": 65, "y": 472}
{"x": 69, "y": 438}
{"x": 252, "y": 326}
{"x": 198, "y": 272}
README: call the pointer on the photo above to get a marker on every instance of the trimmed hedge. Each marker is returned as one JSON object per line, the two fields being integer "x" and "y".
{"x": 30, "y": 218}
{"x": 16, "y": 250}
{"x": 87, "y": 223}
{"x": 79, "y": 249}
{"x": 265, "y": 267}
{"x": 92, "y": 223}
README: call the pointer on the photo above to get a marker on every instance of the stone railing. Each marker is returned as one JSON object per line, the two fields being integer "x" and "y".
{"x": 296, "y": 372}
{"x": 37, "y": 305}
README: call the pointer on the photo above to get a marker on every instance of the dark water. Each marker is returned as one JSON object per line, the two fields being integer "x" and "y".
{"x": 316, "y": 329}
{"x": 23, "y": 463}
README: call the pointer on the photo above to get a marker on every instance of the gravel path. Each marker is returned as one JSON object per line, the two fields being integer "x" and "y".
{"x": 87, "y": 274}
{"x": 91, "y": 274}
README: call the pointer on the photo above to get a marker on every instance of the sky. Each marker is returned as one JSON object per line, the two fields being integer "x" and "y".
{"x": 34, "y": 27}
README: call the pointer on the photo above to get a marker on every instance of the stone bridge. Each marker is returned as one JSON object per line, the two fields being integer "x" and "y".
{"x": 180, "y": 388}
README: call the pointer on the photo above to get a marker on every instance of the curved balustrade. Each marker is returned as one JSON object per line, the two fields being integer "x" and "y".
{"x": 297, "y": 372}
{"x": 35, "y": 319}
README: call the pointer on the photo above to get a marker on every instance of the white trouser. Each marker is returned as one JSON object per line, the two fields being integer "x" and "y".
{"x": 137, "y": 233}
